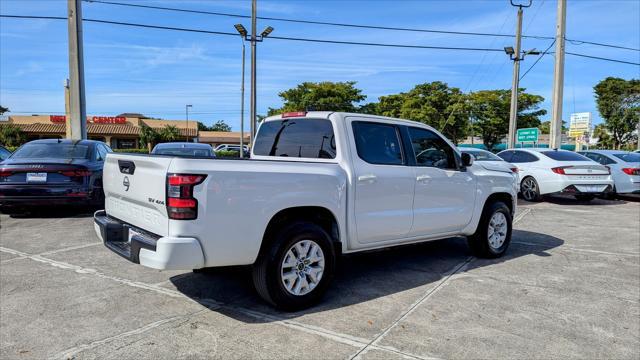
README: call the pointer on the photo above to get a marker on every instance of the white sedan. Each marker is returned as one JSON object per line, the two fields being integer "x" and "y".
{"x": 624, "y": 165}
{"x": 489, "y": 160}
{"x": 548, "y": 171}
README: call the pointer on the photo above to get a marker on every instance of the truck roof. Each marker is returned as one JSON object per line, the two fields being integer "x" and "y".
{"x": 326, "y": 114}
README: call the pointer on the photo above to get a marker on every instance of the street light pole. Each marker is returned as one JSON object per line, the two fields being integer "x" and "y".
{"x": 253, "y": 102}
{"x": 243, "y": 33}
{"x": 186, "y": 108}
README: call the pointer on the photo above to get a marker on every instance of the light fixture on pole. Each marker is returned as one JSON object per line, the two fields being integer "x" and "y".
{"x": 243, "y": 33}
{"x": 186, "y": 108}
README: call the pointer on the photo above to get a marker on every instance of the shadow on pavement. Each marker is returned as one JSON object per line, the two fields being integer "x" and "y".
{"x": 52, "y": 212}
{"x": 568, "y": 200}
{"x": 359, "y": 278}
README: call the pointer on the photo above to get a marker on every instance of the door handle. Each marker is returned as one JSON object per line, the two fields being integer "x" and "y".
{"x": 423, "y": 178}
{"x": 367, "y": 178}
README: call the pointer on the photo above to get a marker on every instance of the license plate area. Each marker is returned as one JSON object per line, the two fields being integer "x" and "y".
{"x": 33, "y": 177}
{"x": 591, "y": 188}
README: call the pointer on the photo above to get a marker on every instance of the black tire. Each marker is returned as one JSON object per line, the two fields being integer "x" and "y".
{"x": 267, "y": 277}
{"x": 530, "y": 190}
{"x": 479, "y": 241}
{"x": 585, "y": 197}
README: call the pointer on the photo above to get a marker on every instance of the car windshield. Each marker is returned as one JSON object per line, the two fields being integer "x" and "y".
{"x": 193, "y": 152}
{"x": 483, "y": 155}
{"x": 564, "y": 156}
{"x": 628, "y": 157}
{"x": 52, "y": 151}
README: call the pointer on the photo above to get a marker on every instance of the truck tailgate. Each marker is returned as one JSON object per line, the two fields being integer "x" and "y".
{"x": 135, "y": 190}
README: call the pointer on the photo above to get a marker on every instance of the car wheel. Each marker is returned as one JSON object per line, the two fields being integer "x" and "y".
{"x": 585, "y": 197}
{"x": 295, "y": 270}
{"x": 530, "y": 190}
{"x": 493, "y": 235}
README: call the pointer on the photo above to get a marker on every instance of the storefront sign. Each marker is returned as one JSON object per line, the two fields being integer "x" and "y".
{"x": 61, "y": 119}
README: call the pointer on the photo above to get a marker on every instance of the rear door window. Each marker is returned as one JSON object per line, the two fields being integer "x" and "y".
{"x": 564, "y": 155}
{"x": 378, "y": 143}
{"x": 523, "y": 157}
{"x": 297, "y": 137}
{"x": 506, "y": 155}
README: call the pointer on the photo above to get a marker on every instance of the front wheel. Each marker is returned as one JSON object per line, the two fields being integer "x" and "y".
{"x": 530, "y": 190}
{"x": 296, "y": 269}
{"x": 493, "y": 235}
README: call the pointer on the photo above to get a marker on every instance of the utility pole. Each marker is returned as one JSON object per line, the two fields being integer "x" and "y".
{"x": 513, "y": 112}
{"x": 558, "y": 79}
{"x": 254, "y": 39}
{"x": 242, "y": 106}
{"x": 77, "y": 106}
{"x": 67, "y": 110}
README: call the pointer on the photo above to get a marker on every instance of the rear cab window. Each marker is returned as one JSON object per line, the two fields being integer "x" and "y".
{"x": 564, "y": 156}
{"x": 297, "y": 138}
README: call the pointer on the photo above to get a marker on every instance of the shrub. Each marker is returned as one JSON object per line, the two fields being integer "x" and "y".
{"x": 132, "y": 151}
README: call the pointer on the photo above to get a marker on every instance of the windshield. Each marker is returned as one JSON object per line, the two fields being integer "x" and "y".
{"x": 564, "y": 156}
{"x": 184, "y": 152}
{"x": 629, "y": 157}
{"x": 52, "y": 151}
{"x": 482, "y": 155}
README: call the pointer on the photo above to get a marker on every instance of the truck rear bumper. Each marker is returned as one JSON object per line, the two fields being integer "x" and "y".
{"x": 140, "y": 247}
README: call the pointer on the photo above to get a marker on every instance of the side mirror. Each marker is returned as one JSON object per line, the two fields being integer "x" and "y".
{"x": 467, "y": 159}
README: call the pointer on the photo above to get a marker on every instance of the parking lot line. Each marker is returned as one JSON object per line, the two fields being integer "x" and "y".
{"x": 571, "y": 248}
{"x": 50, "y": 252}
{"x": 211, "y": 305}
{"x": 412, "y": 307}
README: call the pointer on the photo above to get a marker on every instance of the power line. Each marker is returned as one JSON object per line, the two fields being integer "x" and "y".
{"x": 376, "y": 27}
{"x": 538, "y": 59}
{"x": 270, "y": 37}
{"x": 158, "y": 27}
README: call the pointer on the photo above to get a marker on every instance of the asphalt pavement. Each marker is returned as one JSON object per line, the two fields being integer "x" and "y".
{"x": 569, "y": 287}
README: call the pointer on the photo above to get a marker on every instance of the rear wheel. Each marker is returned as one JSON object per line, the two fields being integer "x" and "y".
{"x": 296, "y": 269}
{"x": 530, "y": 190}
{"x": 493, "y": 235}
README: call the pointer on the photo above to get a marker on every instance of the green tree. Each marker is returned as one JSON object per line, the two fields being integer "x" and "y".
{"x": 169, "y": 133}
{"x": 3, "y": 109}
{"x": 545, "y": 127}
{"x": 202, "y": 127}
{"x": 490, "y": 113}
{"x": 605, "y": 141}
{"x": 148, "y": 137}
{"x": 220, "y": 125}
{"x": 322, "y": 96}
{"x": 436, "y": 104}
{"x": 11, "y": 135}
{"x": 618, "y": 102}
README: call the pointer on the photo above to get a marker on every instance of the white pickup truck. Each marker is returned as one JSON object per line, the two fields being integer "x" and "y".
{"x": 318, "y": 185}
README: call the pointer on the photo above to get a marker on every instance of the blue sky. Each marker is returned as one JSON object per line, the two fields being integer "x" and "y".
{"x": 157, "y": 72}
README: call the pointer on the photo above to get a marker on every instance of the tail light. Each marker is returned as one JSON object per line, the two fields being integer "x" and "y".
{"x": 628, "y": 171}
{"x": 558, "y": 170}
{"x": 75, "y": 173}
{"x": 5, "y": 173}
{"x": 181, "y": 205}
{"x": 294, "y": 114}
{"x": 514, "y": 170}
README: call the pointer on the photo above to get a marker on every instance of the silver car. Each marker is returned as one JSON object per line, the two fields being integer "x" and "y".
{"x": 624, "y": 165}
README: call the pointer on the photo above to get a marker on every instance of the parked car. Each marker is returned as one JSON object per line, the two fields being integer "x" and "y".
{"x": 625, "y": 168}
{"x": 233, "y": 147}
{"x": 545, "y": 171}
{"x": 489, "y": 160}
{"x": 4, "y": 153}
{"x": 319, "y": 184}
{"x": 53, "y": 171}
{"x": 184, "y": 149}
